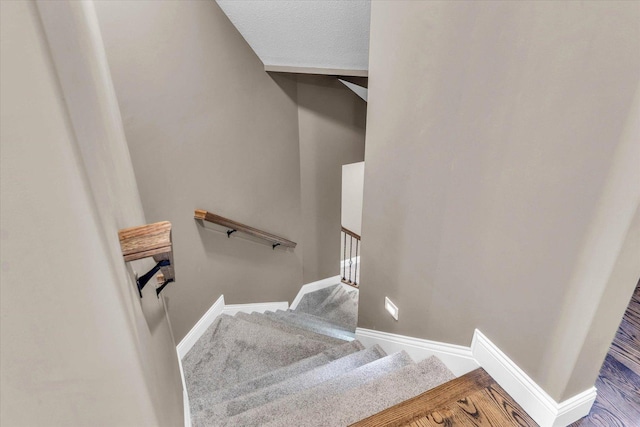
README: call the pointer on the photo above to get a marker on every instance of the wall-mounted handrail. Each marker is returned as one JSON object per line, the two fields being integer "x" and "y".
{"x": 234, "y": 226}
{"x": 151, "y": 240}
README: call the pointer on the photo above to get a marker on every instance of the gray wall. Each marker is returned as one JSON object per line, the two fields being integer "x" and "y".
{"x": 208, "y": 129}
{"x": 332, "y": 122}
{"x": 79, "y": 347}
{"x": 497, "y": 187}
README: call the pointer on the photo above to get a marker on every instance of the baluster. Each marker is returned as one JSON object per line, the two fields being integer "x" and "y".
{"x": 355, "y": 276}
{"x": 350, "y": 257}
{"x": 344, "y": 255}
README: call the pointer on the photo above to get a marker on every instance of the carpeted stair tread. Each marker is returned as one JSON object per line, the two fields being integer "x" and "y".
{"x": 374, "y": 396}
{"x": 317, "y": 320}
{"x": 313, "y": 299}
{"x": 313, "y": 325}
{"x": 342, "y": 309}
{"x": 324, "y": 322}
{"x": 353, "y": 379}
{"x": 280, "y": 374}
{"x": 299, "y": 367}
{"x": 218, "y": 413}
{"x": 270, "y": 322}
{"x": 306, "y": 380}
{"x": 233, "y": 350}
{"x": 336, "y": 294}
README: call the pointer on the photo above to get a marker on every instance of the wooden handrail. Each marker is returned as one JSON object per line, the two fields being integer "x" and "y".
{"x": 203, "y": 215}
{"x": 145, "y": 241}
{"x": 150, "y": 240}
{"x": 351, "y": 233}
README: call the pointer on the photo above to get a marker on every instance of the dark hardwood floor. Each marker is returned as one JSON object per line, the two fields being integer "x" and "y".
{"x": 475, "y": 399}
{"x": 618, "y": 401}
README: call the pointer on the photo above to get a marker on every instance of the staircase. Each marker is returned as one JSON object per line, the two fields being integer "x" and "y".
{"x": 299, "y": 367}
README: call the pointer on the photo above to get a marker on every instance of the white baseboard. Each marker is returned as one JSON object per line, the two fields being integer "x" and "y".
{"x": 232, "y": 309}
{"x": 185, "y": 396}
{"x": 315, "y": 286}
{"x": 188, "y": 341}
{"x": 198, "y": 329}
{"x": 523, "y": 389}
{"x": 456, "y": 357}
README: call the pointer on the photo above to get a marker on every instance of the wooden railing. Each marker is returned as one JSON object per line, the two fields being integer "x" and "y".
{"x": 234, "y": 226}
{"x": 150, "y": 240}
{"x": 350, "y": 257}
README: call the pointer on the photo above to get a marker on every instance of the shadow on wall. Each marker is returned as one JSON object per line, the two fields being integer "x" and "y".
{"x": 327, "y": 89}
{"x": 286, "y": 82}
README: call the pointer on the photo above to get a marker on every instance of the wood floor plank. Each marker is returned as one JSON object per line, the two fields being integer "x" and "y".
{"x": 618, "y": 400}
{"x": 626, "y": 346}
{"x": 481, "y": 409}
{"x": 440, "y": 418}
{"x": 435, "y": 419}
{"x": 623, "y": 382}
{"x": 512, "y": 411}
{"x": 600, "y": 417}
{"x": 619, "y": 391}
{"x": 429, "y": 401}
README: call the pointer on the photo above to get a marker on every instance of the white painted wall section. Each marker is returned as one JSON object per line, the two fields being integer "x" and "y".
{"x": 352, "y": 193}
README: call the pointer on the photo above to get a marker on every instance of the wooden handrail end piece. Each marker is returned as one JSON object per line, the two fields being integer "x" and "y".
{"x": 150, "y": 240}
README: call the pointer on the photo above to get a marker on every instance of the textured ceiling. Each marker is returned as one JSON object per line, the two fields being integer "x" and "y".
{"x": 331, "y": 34}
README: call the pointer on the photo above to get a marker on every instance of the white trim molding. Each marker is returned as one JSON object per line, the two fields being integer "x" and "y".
{"x": 185, "y": 395}
{"x": 199, "y": 328}
{"x": 261, "y": 307}
{"x": 523, "y": 389}
{"x": 456, "y": 357}
{"x": 315, "y": 286}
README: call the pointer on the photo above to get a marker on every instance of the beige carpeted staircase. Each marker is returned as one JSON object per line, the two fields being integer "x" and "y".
{"x": 299, "y": 367}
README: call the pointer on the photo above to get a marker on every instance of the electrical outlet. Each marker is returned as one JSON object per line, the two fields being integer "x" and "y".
{"x": 391, "y": 308}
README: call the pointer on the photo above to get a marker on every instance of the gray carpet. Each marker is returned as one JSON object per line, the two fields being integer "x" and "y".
{"x": 299, "y": 367}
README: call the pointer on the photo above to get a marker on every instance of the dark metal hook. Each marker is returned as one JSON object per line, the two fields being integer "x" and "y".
{"x": 161, "y": 287}
{"x": 143, "y": 280}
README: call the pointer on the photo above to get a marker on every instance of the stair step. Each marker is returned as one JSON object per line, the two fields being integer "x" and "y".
{"x": 233, "y": 350}
{"x": 270, "y": 322}
{"x": 342, "y": 311}
{"x": 298, "y": 367}
{"x": 372, "y": 397}
{"x": 313, "y": 299}
{"x": 438, "y": 397}
{"x": 216, "y": 414}
{"x": 315, "y": 319}
{"x": 324, "y": 322}
{"x": 297, "y": 320}
{"x": 354, "y": 379}
{"x": 333, "y": 296}
{"x": 280, "y": 374}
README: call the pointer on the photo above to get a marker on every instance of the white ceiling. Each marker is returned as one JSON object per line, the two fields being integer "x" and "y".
{"x": 327, "y": 34}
